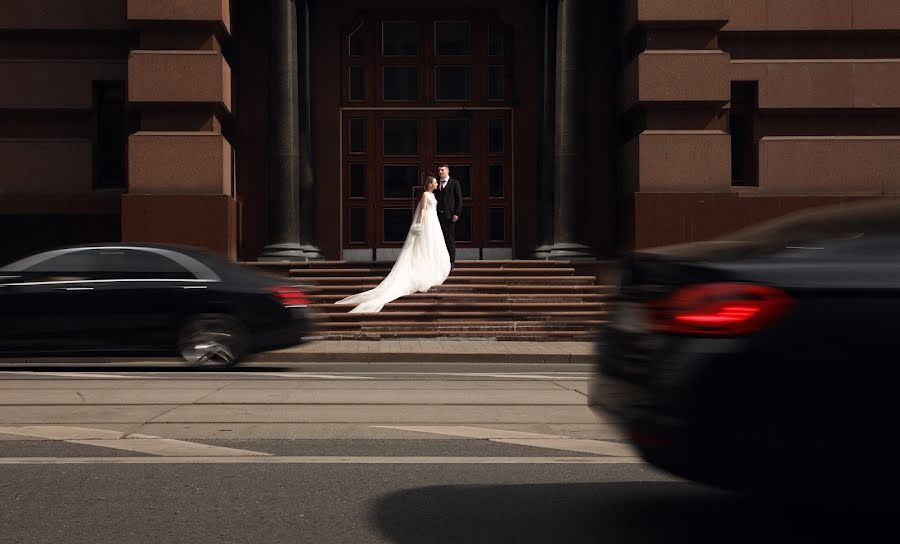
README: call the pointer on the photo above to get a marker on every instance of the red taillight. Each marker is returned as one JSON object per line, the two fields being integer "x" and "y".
{"x": 291, "y": 296}
{"x": 719, "y": 309}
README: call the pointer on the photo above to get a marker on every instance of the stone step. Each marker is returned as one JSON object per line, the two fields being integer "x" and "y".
{"x": 463, "y": 325}
{"x": 471, "y": 288}
{"x": 429, "y": 316}
{"x": 458, "y": 280}
{"x": 331, "y": 297}
{"x": 495, "y": 300}
{"x": 472, "y": 306}
{"x": 287, "y": 265}
{"x": 481, "y": 271}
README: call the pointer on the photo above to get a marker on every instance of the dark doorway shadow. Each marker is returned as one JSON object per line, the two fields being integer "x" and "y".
{"x": 635, "y": 512}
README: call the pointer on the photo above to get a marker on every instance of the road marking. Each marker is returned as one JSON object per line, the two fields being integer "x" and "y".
{"x": 58, "y": 432}
{"x": 303, "y": 375}
{"x": 597, "y": 447}
{"x": 141, "y": 443}
{"x": 167, "y": 447}
{"x": 535, "y": 440}
{"x": 334, "y": 460}
{"x": 465, "y": 431}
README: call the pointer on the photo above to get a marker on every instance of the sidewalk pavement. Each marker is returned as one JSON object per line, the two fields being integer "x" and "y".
{"x": 432, "y": 351}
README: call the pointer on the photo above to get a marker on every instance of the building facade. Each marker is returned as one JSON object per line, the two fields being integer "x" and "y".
{"x": 301, "y": 128}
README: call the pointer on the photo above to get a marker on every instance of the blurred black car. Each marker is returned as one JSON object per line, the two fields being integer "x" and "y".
{"x": 767, "y": 361}
{"x": 134, "y": 300}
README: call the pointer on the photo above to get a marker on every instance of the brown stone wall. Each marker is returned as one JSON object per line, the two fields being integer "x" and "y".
{"x": 207, "y": 221}
{"x": 180, "y": 163}
{"x": 673, "y": 218}
{"x": 822, "y": 124}
{"x": 830, "y": 165}
{"x": 57, "y": 59}
{"x": 780, "y": 15}
{"x": 196, "y": 163}
{"x": 203, "y": 11}
{"x": 88, "y": 15}
{"x": 54, "y": 84}
{"x": 185, "y": 77}
{"x": 47, "y": 167}
{"x": 667, "y": 12}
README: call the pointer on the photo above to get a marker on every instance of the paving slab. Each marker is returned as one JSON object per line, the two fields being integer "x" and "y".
{"x": 396, "y": 397}
{"x": 376, "y": 414}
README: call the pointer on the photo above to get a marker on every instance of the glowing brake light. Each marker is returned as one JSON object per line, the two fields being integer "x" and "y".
{"x": 720, "y": 309}
{"x": 291, "y": 296}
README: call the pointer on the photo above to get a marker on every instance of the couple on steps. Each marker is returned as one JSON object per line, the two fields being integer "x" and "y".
{"x": 429, "y": 251}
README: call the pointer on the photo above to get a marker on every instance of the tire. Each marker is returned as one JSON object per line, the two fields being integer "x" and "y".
{"x": 213, "y": 339}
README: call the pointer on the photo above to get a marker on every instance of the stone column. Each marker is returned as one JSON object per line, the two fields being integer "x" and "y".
{"x": 545, "y": 209}
{"x": 568, "y": 150}
{"x": 307, "y": 171}
{"x": 284, "y": 241}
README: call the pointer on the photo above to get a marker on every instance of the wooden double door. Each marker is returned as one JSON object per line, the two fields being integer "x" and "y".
{"x": 386, "y": 153}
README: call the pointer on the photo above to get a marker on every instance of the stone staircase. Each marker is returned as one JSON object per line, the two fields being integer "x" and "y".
{"x": 501, "y": 300}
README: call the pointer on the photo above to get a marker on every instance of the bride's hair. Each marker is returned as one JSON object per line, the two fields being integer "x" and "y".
{"x": 426, "y": 181}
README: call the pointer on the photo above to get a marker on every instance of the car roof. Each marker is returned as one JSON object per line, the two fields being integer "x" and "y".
{"x": 873, "y": 217}
{"x": 199, "y": 262}
{"x": 869, "y": 220}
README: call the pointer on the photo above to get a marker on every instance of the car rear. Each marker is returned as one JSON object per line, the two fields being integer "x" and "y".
{"x": 665, "y": 360}
{"x": 275, "y": 309}
{"x": 758, "y": 365}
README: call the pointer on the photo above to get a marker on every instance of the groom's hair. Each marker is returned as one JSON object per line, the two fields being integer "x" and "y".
{"x": 447, "y": 166}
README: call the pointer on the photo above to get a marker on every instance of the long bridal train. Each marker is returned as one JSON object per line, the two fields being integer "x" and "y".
{"x": 422, "y": 264}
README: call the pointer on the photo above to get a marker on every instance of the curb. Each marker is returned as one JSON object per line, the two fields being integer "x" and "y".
{"x": 384, "y": 357}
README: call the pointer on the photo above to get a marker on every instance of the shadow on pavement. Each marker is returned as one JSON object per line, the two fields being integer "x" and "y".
{"x": 635, "y": 512}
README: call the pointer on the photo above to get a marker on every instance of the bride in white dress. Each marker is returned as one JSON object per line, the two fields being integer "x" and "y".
{"x": 423, "y": 261}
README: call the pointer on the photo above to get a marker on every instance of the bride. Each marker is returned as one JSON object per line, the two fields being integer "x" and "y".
{"x": 423, "y": 261}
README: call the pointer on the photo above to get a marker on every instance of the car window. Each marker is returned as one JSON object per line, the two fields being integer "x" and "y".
{"x": 76, "y": 262}
{"x": 828, "y": 225}
{"x": 112, "y": 263}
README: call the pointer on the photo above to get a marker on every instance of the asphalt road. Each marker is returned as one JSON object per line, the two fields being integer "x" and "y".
{"x": 351, "y": 453}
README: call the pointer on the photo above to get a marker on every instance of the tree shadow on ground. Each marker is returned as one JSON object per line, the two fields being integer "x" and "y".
{"x": 610, "y": 513}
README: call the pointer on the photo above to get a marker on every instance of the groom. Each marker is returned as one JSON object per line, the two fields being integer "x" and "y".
{"x": 449, "y": 201}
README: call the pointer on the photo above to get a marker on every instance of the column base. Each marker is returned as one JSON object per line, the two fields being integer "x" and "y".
{"x": 567, "y": 251}
{"x": 542, "y": 253}
{"x": 291, "y": 252}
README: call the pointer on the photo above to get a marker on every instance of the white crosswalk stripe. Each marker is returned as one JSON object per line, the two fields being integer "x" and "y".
{"x": 103, "y": 438}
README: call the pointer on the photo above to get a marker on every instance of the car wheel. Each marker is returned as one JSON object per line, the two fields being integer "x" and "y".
{"x": 213, "y": 339}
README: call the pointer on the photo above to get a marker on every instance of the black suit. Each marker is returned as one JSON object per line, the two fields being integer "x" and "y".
{"x": 449, "y": 201}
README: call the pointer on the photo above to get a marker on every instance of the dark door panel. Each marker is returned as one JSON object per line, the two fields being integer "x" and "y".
{"x": 45, "y": 317}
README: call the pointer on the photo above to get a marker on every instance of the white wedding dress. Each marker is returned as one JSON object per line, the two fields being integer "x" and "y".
{"x": 423, "y": 263}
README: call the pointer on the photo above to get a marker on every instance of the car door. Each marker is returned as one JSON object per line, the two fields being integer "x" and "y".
{"x": 144, "y": 295}
{"x": 45, "y": 303}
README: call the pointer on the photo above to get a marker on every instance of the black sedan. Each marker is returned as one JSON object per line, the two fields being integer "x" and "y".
{"x": 765, "y": 362}
{"x": 135, "y": 300}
